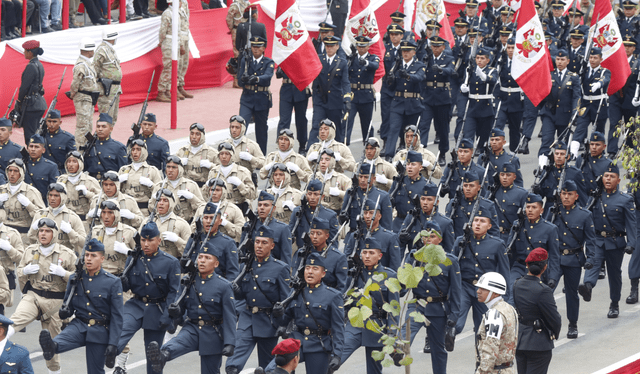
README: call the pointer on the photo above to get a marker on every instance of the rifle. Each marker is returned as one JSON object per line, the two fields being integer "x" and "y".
{"x": 42, "y": 130}
{"x": 595, "y": 195}
{"x": 354, "y": 262}
{"x": 304, "y": 203}
{"x": 246, "y": 254}
{"x": 468, "y": 226}
{"x": 415, "y": 216}
{"x": 515, "y": 231}
{"x": 397, "y": 180}
{"x": 587, "y": 49}
{"x": 557, "y": 201}
{"x": 136, "y": 126}
{"x": 16, "y": 92}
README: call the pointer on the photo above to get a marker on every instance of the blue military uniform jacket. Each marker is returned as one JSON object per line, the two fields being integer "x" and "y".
{"x": 156, "y": 279}
{"x": 15, "y": 359}
{"x": 576, "y": 230}
{"x": 628, "y": 27}
{"x": 458, "y": 173}
{"x": 226, "y": 249}
{"x": 539, "y": 234}
{"x": 392, "y": 54}
{"x": 322, "y": 51}
{"x": 500, "y": 159}
{"x": 508, "y": 201}
{"x": 576, "y": 58}
{"x": 556, "y": 27}
{"x": 332, "y": 85}
{"x": 290, "y": 93}
{"x": 591, "y": 99}
{"x": 107, "y": 155}
{"x": 282, "y": 250}
{"x": 257, "y": 96}
{"x": 404, "y": 198}
{"x": 305, "y": 222}
{"x": 480, "y": 105}
{"x": 615, "y": 216}
{"x": 40, "y": 174}
{"x": 216, "y": 295}
{"x": 388, "y": 242}
{"x": 57, "y": 145}
{"x": 31, "y": 82}
{"x": 436, "y": 89}
{"x": 158, "y": 149}
{"x": 97, "y": 297}
{"x": 592, "y": 168}
{"x": 482, "y": 255}
{"x": 511, "y": 94}
{"x": 386, "y": 209}
{"x": 624, "y": 96}
{"x": 406, "y": 99}
{"x": 446, "y": 225}
{"x": 264, "y": 284}
{"x": 8, "y": 151}
{"x": 335, "y": 264}
{"x": 361, "y": 75}
{"x": 550, "y": 184}
{"x": 564, "y": 97}
{"x": 463, "y": 212}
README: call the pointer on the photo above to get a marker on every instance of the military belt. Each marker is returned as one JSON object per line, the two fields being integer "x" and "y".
{"x": 82, "y": 217}
{"x": 431, "y": 299}
{"x": 143, "y": 205}
{"x": 506, "y": 365}
{"x": 594, "y": 97}
{"x": 93, "y": 321}
{"x": 257, "y": 309}
{"x": 439, "y": 84}
{"x": 610, "y": 234}
{"x": 146, "y": 299}
{"x": 202, "y": 322}
{"x": 510, "y": 89}
{"x": 20, "y": 229}
{"x": 48, "y": 294}
{"x": 360, "y": 86}
{"x": 570, "y": 251}
{"x": 307, "y": 331}
{"x": 256, "y": 88}
{"x": 526, "y": 323}
{"x": 286, "y": 81}
{"x": 407, "y": 95}
{"x": 480, "y": 97}
{"x": 117, "y": 83}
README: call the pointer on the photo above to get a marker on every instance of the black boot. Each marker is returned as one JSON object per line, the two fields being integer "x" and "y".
{"x": 49, "y": 347}
{"x": 524, "y": 149}
{"x": 585, "y": 291}
{"x": 427, "y": 345}
{"x": 603, "y": 272}
{"x": 436, "y": 140}
{"x": 614, "y": 310}
{"x": 231, "y": 370}
{"x": 633, "y": 296}
{"x": 442, "y": 159}
{"x": 573, "y": 330}
{"x": 157, "y": 357}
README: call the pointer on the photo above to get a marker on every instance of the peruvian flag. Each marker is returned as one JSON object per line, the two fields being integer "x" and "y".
{"x": 292, "y": 48}
{"x": 429, "y": 9}
{"x": 531, "y": 62}
{"x": 606, "y": 35}
{"x": 362, "y": 22}
{"x": 515, "y": 7}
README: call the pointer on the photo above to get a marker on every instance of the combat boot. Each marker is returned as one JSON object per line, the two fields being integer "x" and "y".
{"x": 427, "y": 345}
{"x": 585, "y": 291}
{"x": 180, "y": 96}
{"x": 633, "y": 296}
{"x": 603, "y": 272}
{"x": 614, "y": 310}
{"x": 49, "y": 347}
{"x": 573, "y": 330}
{"x": 185, "y": 93}
{"x": 524, "y": 149}
{"x": 163, "y": 97}
{"x": 157, "y": 357}
{"x": 231, "y": 370}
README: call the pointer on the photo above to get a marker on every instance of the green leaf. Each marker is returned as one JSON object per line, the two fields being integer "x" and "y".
{"x": 377, "y": 355}
{"x": 417, "y": 316}
{"x": 373, "y": 326}
{"x": 412, "y": 301}
{"x": 357, "y": 316}
{"x": 420, "y": 235}
{"x": 378, "y": 277}
{"x": 365, "y": 300}
{"x": 372, "y": 287}
{"x": 388, "y": 349}
{"x": 393, "y": 307}
{"x": 393, "y": 285}
{"x": 387, "y": 363}
{"x": 388, "y": 340}
{"x": 433, "y": 270}
{"x": 406, "y": 361}
{"x": 410, "y": 276}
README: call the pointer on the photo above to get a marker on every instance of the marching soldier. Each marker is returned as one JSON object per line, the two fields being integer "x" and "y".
{"x": 430, "y": 165}
{"x": 397, "y": 19}
{"x": 138, "y": 178}
{"x": 595, "y": 82}
{"x": 362, "y": 69}
{"x": 58, "y": 143}
{"x": 72, "y": 233}
{"x": 327, "y": 140}
{"x": 107, "y": 154}
{"x": 303, "y": 214}
{"x": 15, "y": 358}
{"x": 128, "y": 207}
{"x": 174, "y": 231}
{"x": 43, "y": 272}
{"x": 249, "y": 153}
{"x": 30, "y": 105}
{"x": 40, "y": 171}
{"x": 385, "y": 172}
{"x": 8, "y": 149}
{"x": 365, "y": 190}
{"x": 405, "y": 188}
{"x": 11, "y": 251}
{"x": 509, "y": 199}
{"x": 392, "y": 57}
{"x": 576, "y": 51}
{"x": 98, "y": 320}
{"x": 233, "y": 218}
{"x": 186, "y": 190}
{"x": 459, "y": 209}
{"x": 109, "y": 74}
{"x": 326, "y": 30}
{"x": 198, "y": 155}
{"x": 287, "y": 197}
{"x": 164, "y": 83}
{"x": 117, "y": 238}
{"x": 512, "y": 101}
{"x": 157, "y": 147}
{"x": 556, "y": 23}
{"x": 336, "y": 184}
{"x": 240, "y": 188}
{"x": 593, "y": 163}
{"x": 80, "y": 187}
{"x": 627, "y": 20}
{"x": 498, "y": 156}
{"x": 291, "y": 98}
{"x": 297, "y": 166}
{"x": 463, "y": 165}
{"x": 84, "y": 90}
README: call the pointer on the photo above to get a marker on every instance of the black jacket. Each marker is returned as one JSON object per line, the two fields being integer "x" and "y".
{"x": 534, "y": 301}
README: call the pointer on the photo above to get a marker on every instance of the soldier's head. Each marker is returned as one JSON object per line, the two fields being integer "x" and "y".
{"x": 428, "y": 197}
{"x": 263, "y": 243}
{"x": 314, "y": 192}
{"x": 139, "y": 151}
{"x": 327, "y": 160}
{"x": 437, "y": 45}
{"x": 326, "y": 130}
{"x": 595, "y": 57}
{"x": 372, "y": 148}
{"x": 87, "y": 47}
{"x": 506, "y": 16}
{"x": 497, "y": 140}
{"x": 411, "y": 136}
{"x": 629, "y": 46}
{"x": 371, "y": 253}
{"x": 265, "y": 202}
{"x": 507, "y": 174}
{"x": 285, "y": 140}
{"x": 629, "y": 8}
{"x": 217, "y": 188}
{"x": 363, "y": 44}
{"x": 366, "y": 175}
{"x": 207, "y": 261}
{"x": 109, "y": 213}
{"x": 471, "y": 8}
{"x": 470, "y": 185}
{"x": 325, "y": 30}
{"x": 397, "y": 18}
{"x": 5, "y": 322}
{"x": 331, "y": 44}
{"x": 482, "y": 57}
{"x": 371, "y": 213}
{"x": 166, "y": 202}
{"x": 93, "y": 256}
{"x": 414, "y": 164}
{"x": 31, "y": 49}
{"x": 281, "y": 175}
{"x": 465, "y": 151}
{"x": 611, "y": 178}
{"x": 557, "y": 7}
{"x": 109, "y": 36}
{"x": 511, "y": 46}
{"x": 237, "y": 127}
{"x": 74, "y": 164}
{"x": 496, "y": 4}
{"x": 314, "y": 269}
{"x": 148, "y": 125}
{"x": 481, "y": 223}
{"x": 196, "y": 134}
{"x": 174, "y": 168}
{"x": 461, "y": 26}
{"x": 597, "y": 144}
{"x": 577, "y": 38}
{"x": 432, "y": 29}
{"x": 491, "y": 285}
{"x": 435, "y": 233}
{"x": 56, "y": 195}
{"x": 15, "y": 171}
{"x": 225, "y": 153}
{"x": 396, "y": 32}
{"x": 408, "y": 49}
{"x": 537, "y": 261}
{"x": 569, "y": 194}
{"x": 54, "y": 121}
{"x": 560, "y": 153}
{"x": 575, "y": 17}
{"x": 562, "y": 59}
{"x": 287, "y": 352}
{"x": 110, "y": 183}
{"x": 258, "y": 45}
{"x": 210, "y": 219}
{"x": 533, "y": 209}
{"x": 104, "y": 126}
{"x": 6, "y": 129}
{"x": 150, "y": 238}
{"x": 36, "y": 147}
{"x": 319, "y": 232}
{"x": 47, "y": 232}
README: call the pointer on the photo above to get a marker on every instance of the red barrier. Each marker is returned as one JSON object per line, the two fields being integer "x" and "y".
{"x": 123, "y": 11}
{"x": 65, "y": 14}
{"x": 24, "y": 18}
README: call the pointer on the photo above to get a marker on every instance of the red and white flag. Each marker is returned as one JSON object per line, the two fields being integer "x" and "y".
{"x": 606, "y": 35}
{"x": 433, "y": 9}
{"x": 362, "y": 22}
{"x": 531, "y": 62}
{"x": 292, "y": 48}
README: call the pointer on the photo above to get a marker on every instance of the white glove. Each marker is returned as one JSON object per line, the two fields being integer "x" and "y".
{"x": 57, "y": 270}
{"x": 126, "y": 213}
{"x": 170, "y": 236}
{"x": 334, "y": 191}
{"x": 34, "y": 225}
{"x": 481, "y": 74}
{"x": 123, "y": 177}
{"x": 338, "y": 156}
{"x": 234, "y": 180}
{"x": 224, "y": 222}
{"x": 289, "y": 204}
{"x": 293, "y": 167}
{"x": 121, "y": 248}
{"x": 94, "y": 213}
{"x": 634, "y": 102}
{"x": 206, "y": 164}
{"x": 312, "y": 156}
{"x": 464, "y": 88}
{"x": 186, "y": 194}
{"x": 246, "y": 156}
{"x": 146, "y": 181}
{"x": 5, "y": 245}
{"x": 269, "y": 166}
{"x": 78, "y": 188}
{"x": 65, "y": 227}
{"x": 574, "y": 147}
{"x": 380, "y": 178}
{"x": 4, "y": 197}
{"x": 542, "y": 160}
{"x": 184, "y": 160}
{"x": 31, "y": 269}
{"x": 23, "y": 200}
{"x": 595, "y": 86}
{"x": 426, "y": 164}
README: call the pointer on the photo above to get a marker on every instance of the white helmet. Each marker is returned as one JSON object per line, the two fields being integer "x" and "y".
{"x": 87, "y": 44}
{"x": 109, "y": 35}
{"x": 493, "y": 282}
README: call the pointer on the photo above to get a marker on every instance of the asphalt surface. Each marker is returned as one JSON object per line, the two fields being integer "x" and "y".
{"x": 601, "y": 341}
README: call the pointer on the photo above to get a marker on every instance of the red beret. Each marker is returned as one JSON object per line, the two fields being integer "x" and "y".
{"x": 538, "y": 254}
{"x": 31, "y": 44}
{"x": 286, "y": 347}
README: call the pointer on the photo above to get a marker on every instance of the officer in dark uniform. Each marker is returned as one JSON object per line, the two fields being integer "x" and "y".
{"x": 8, "y": 149}
{"x": 539, "y": 320}
{"x": 464, "y": 164}
{"x": 287, "y": 357}
{"x": 356, "y": 337}
{"x": 107, "y": 154}
{"x": 576, "y": 51}
{"x": 628, "y": 20}
{"x": 392, "y": 57}
{"x": 147, "y": 309}
{"x": 266, "y": 282}
{"x": 512, "y": 102}
{"x": 406, "y": 106}
{"x": 462, "y": 53}
{"x": 480, "y": 254}
{"x": 14, "y": 358}
{"x": 30, "y": 105}
{"x": 157, "y": 147}
{"x": 257, "y": 28}
{"x": 256, "y": 97}
{"x": 331, "y": 90}
{"x": 41, "y": 172}
{"x": 58, "y": 143}
{"x": 595, "y": 163}
{"x": 557, "y": 24}
{"x": 362, "y": 70}
{"x": 208, "y": 312}
{"x": 406, "y": 188}
{"x": 302, "y": 215}
{"x": 441, "y": 296}
{"x": 397, "y": 19}
{"x": 459, "y": 210}
{"x": 98, "y": 320}
{"x": 339, "y": 10}
{"x": 367, "y": 175}
{"x": 498, "y": 156}
{"x": 471, "y": 10}
{"x": 326, "y": 30}
{"x": 509, "y": 199}
{"x": 595, "y": 81}
{"x": 614, "y": 218}
{"x": 291, "y": 98}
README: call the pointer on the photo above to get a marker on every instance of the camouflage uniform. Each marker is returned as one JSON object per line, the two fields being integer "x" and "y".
{"x": 496, "y": 340}
{"x": 132, "y": 187}
{"x": 164, "y": 84}
{"x": 183, "y": 59}
{"x": 107, "y": 65}
{"x": 84, "y": 79}
{"x": 184, "y": 208}
{"x": 245, "y": 192}
{"x": 113, "y": 261}
{"x": 303, "y": 173}
{"x": 244, "y": 144}
{"x": 234, "y": 18}
{"x": 9, "y": 258}
{"x": 80, "y": 204}
{"x": 172, "y": 223}
{"x": 17, "y": 216}
{"x": 74, "y": 240}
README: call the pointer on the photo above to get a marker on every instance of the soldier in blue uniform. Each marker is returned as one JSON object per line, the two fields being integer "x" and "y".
{"x": 291, "y": 98}
{"x": 367, "y": 175}
{"x": 356, "y": 337}
{"x": 266, "y": 282}
{"x": 41, "y": 172}
{"x": 98, "y": 309}
{"x": 576, "y": 51}
{"x": 614, "y": 218}
{"x": 208, "y": 315}
{"x": 57, "y": 141}
{"x": 460, "y": 211}
{"x": 8, "y": 149}
{"x": 498, "y": 156}
{"x": 463, "y": 53}
{"x": 303, "y": 215}
{"x": 14, "y": 358}
{"x": 391, "y": 58}
{"x": 464, "y": 164}
{"x": 331, "y": 90}
{"x": 595, "y": 81}
{"x": 397, "y": 19}
{"x": 326, "y": 30}
{"x": 407, "y": 187}
{"x": 147, "y": 309}
{"x": 634, "y": 265}
{"x": 628, "y": 20}
{"x": 556, "y": 23}
{"x": 509, "y": 199}
{"x": 480, "y": 254}
{"x": 256, "y": 97}
{"x": 362, "y": 71}
{"x": 406, "y": 105}
{"x": 30, "y": 104}
{"x": 512, "y": 102}
{"x": 595, "y": 163}
{"x": 441, "y": 296}
{"x": 107, "y": 154}
{"x": 157, "y": 147}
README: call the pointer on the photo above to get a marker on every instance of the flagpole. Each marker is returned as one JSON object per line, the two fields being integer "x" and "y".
{"x": 175, "y": 24}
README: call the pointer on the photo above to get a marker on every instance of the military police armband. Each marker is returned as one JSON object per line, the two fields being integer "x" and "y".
{"x": 493, "y": 324}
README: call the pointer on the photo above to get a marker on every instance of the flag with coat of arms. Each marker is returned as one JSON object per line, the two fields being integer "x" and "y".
{"x": 362, "y": 22}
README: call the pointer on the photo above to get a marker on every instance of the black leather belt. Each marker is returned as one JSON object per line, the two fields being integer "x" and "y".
{"x": 307, "y": 331}
{"x": 200, "y": 184}
{"x": 431, "y": 299}
{"x": 407, "y": 95}
{"x": 48, "y": 294}
{"x": 94, "y": 322}
{"x": 526, "y": 323}
{"x": 146, "y": 299}
{"x": 257, "y": 309}
{"x": 438, "y": 84}
{"x": 506, "y": 365}
{"x": 570, "y": 251}
{"x": 202, "y": 322}
{"x": 256, "y": 88}
{"x": 606, "y": 234}
{"x": 143, "y": 205}
{"x": 20, "y": 229}
{"x": 360, "y": 86}
{"x": 115, "y": 82}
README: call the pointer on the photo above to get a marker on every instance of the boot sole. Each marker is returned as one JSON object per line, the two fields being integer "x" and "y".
{"x": 582, "y": 290}
{"x": 46, "y": 342}
{"x": 154, "y": 356}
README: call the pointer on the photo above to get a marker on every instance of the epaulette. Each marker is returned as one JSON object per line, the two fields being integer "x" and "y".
{"x": 572, "y": 74}
{"x": 109, "y": 275}
{"x": 333, "y": 290}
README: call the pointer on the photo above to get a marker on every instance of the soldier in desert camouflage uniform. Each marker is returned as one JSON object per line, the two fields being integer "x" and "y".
{"x": 107, "y": 67}
{"x": 82, "y": 87}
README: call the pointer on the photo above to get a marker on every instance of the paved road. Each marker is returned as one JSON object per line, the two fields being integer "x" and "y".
{"x": 601, "y": 341}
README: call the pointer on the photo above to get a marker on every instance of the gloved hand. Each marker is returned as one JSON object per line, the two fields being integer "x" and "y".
{"x": 574, "y": 147}
{"x": 269, "y": 166}
{"x": 206, "y": 164}
{"x": 338, "y": 156}
{"x": 170, "y": 236}
{"x": 34, "y": 225}
{"x": 227, "y": 351}
{"x": 253, "y": 79}
{"x": 403, "y": 74}
{"x": 5, "y": 245}
{"x": 125, "y": 283}
{"x": 94, "y": 213}
{"x": 5, "y": 196}
{"x": 246, "y": 156}
{"x": 186, "y": 194}
{"x": 184, "y": 161}
{"x": 438, "y": 68}
{"x": 174, "y": 311}
{"x": 146, "y": 182}
{"x": 82, "y": 191}
{"x": 278, "y": 310}
{"x": 334, "y": 191}
{"x": 234, "y": 180}
{"x": 588, "y": 265}
{"x": 244, "y": 78}
{"x": 464, "y": 88}
{"x": 123, "y": 177}
{"x": 110, "y": 353}
{"x": 405, "y": 237}
{"x": 31, "y": 269}
{"x": 224, "y": 222}
{"x": 543, "y": 160}
{"x": 288, "y": 204}
{"x": 628, "y": 249}
{"x": 595, "y": 86}
{"x": 64, "y": 313}
{"x": 334, "y": 364}
{"x": 635, "y": 103}
{"x": 293, "y": 167}
{"x": 65, "y": 227}
{"x": 312, "y": 156}
{"x": 281, "y": 332}
{"x": 23, "y": 200}
{"x": 57, "y": 270}
{"x": 551, "y": 283}
{"x": 380, "y": 178}
{"x": 236, "y": 289}
{"x": 426, "y": 164}
{"x": 258, "y": 370}
{"x": 121, "y": 248}
{"x": 126, "y": 213}
{"x": 481, "y": 74}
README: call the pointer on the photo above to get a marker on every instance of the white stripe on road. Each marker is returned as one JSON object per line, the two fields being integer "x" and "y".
{"x": 132, "y": 366}
{"x": 565, "y": 340}
{"x": 619, "y": 364}
{"x": 35, "y": 355}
